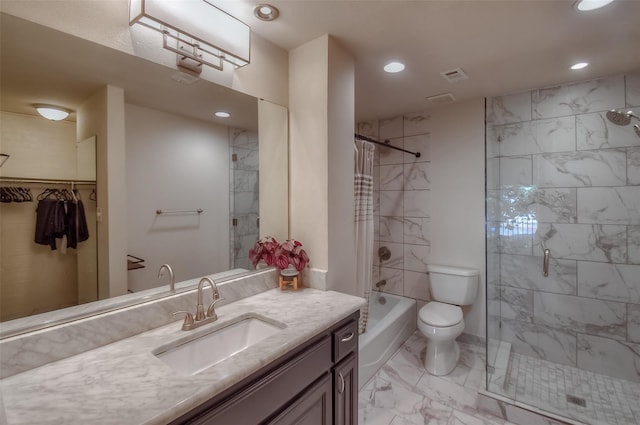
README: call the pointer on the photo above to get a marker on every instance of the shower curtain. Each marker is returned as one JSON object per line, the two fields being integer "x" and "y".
{"x": 363, "y": 186}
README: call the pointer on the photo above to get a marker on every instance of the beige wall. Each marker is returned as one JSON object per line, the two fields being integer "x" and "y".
{"x": 106, "y": 22}
{"x": 321, "y": 141}
{"x": 341, "y": 206}
{"x": 273, "y": 133}
{"x": 33, "y": 278}
{"x": 308, "y": 85}
{"x": 176, "y": 163}
{"x": 39, "y": 148}
{"x": 457, "y": 196}
{"x": 103, "y": 116}
{"x": 267, "y": 76}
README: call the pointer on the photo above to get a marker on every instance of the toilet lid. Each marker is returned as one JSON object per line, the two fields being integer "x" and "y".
{"x": 440, "y": 314}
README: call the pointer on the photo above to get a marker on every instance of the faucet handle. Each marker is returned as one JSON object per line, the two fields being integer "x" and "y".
{"x": 211, "y": 310}
{"x": 188, "y": 318}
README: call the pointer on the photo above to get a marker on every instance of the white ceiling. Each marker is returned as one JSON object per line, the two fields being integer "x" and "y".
{"x": 504, "y": 46}
{"x": 42, "y": 65}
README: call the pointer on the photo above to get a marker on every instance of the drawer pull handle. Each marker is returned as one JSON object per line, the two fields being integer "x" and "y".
{"x": 340, "y": 383}
{"x": 347, "y": 338}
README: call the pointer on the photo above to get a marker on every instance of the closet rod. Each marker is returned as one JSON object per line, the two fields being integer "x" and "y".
{"x": 48, "y": 181}
{"x": 387, "y": 144}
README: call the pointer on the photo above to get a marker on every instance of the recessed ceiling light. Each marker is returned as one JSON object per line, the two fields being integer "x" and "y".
{"x": 222, "y": 114}
{"x": 393, "y": 67}
{"x": 50, "y": 112}
{"x": 579, "y": 65}
{"x": 266, "y": 12}
{"x": 588, "y": 5}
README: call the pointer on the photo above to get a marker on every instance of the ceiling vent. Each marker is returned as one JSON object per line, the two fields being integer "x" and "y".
{"x": 441, "y": 99}
{"x": 454, "y": 75}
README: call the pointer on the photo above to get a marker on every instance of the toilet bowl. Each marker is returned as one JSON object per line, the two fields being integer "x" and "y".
{"x": 441, "y": 321}
{"x": 441, "y": 324}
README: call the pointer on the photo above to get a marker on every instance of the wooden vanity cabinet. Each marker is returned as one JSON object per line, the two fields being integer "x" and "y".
{"x": 315, "y": 384}
{"x": 345, "y": 374}
{"x": 345, "y": 391}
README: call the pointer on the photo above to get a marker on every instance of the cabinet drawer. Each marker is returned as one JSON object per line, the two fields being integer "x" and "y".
{"x": 345, "y": 340}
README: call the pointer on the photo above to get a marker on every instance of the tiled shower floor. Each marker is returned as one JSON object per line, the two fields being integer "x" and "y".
{"x": 608, "y": 401}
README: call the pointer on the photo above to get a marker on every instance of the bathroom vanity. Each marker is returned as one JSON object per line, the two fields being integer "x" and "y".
{"x": 316, "y": 383}
{"x": 304, "y": 372}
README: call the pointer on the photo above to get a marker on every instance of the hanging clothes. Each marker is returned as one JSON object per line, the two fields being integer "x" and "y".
{"x": 15, "y": 194}
{"x": 50, "y": 222}
{"x": 59, "y": 214}
{"x": 76, "y": 230}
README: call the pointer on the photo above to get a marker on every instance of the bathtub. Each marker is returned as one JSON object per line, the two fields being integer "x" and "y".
{"x": 388, "y": 327}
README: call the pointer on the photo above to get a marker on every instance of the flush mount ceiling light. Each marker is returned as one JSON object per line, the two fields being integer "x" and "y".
{"x": 222, "y": 114}
{"x": 195, "y": 30}
{"x": 266, "y": 12}
{"x": 589, "y": 5}
{"x": 50, "y": 112}
{"x": 393, "y": 67}
{"x": 579, "y": 65}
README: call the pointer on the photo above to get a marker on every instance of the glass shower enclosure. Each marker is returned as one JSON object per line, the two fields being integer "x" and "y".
{"x": 563, "y": 250}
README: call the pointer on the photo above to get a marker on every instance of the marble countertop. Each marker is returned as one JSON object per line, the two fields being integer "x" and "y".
{"x": 124, "y": 383}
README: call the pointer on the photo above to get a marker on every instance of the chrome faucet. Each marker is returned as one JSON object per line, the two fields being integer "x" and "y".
{"x": 172, "y": 285}
{"x": 191, "y": 322}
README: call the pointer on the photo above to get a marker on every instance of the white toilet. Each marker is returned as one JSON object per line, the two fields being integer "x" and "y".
{"x": 441, "y": 320}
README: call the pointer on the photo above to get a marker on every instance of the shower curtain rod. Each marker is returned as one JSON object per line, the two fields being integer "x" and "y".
{"x": 386, "y": 143}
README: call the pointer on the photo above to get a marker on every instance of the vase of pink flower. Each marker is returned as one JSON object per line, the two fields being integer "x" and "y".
{"x": 263, "y": 252}
{"x": 290, "y": 257}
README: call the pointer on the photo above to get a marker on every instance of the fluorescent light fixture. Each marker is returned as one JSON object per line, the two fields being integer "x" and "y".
{"x": 393, "y": 67}
{"x": 195, "y": 29}
{"x": 266, "y": 12}
{"x": 579, "y": 65}
{"x": 50, "y": 112}
{"x": 589, "y": 5}
{"x": 222, "y": 114}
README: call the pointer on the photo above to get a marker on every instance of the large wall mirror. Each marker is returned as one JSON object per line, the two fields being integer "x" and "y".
{"x": 174, "y": 184}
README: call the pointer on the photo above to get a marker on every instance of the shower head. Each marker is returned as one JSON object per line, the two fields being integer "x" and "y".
{"x": 618, "y": 118}
{"x": 636, "y": 127}
{"x": 621, "y": 118}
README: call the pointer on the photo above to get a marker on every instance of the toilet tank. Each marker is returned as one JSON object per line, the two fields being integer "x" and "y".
{"x": 453, "y": 285}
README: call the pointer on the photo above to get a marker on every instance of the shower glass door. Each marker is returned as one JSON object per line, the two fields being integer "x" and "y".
{"x": 563, "y": 329}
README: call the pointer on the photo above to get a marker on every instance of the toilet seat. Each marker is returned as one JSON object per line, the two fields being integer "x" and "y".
{"x": 440, "y": 314}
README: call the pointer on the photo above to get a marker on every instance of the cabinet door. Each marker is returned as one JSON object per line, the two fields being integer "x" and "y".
{"x": 271, "y": 393}
{"x": 313, "y": 407}
{"x": 345, "y": 391}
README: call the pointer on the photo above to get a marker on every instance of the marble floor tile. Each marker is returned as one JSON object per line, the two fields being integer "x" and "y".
{"x": 402, "y": 393}
{"x": 463, "y": 418}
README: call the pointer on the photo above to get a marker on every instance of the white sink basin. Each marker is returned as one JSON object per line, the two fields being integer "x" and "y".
{"x": 200, "y": 353}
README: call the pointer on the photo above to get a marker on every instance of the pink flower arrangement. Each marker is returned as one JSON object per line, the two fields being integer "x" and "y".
{"x": 264, "y": 249}
{"x": 290, "y": 252}
{"x": 281, "y": 255}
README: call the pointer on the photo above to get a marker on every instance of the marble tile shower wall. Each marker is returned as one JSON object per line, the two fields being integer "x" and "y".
{"x": 244, "y": 195}
{"x": 560, "y": 176}
{"x": 401, "y": 204}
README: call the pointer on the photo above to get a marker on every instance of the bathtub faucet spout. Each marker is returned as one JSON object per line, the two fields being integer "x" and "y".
{"x": 381, "y": 284}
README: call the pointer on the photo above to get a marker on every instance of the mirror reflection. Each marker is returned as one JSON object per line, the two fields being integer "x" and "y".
{"x": 174, "y": 184}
